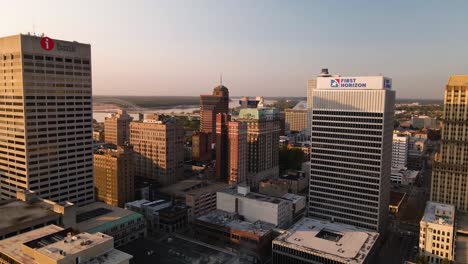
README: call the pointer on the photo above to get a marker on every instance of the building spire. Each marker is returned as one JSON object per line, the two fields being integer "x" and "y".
{"x": 220, "y": 79}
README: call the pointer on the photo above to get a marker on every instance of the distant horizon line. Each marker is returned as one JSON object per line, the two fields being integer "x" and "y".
{"x": 239, "y": 96}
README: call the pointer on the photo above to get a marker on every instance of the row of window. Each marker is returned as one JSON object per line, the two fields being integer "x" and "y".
{"x": 57, "y": 59}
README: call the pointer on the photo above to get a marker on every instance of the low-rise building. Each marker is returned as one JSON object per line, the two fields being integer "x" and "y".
{"x": 320, "y": 241}
{"x": 299, "y": 205}
{"x": 161, "y": 215}
{"x": 123, "y": 225}
{"x": 28, "y": 212}
{"x": 55, "y": 245}
{"x": 254, "y": 238}
{"x": 255, "y": 206}
{"x": 199, "y": 195}
{"x": 293, "y": 182}
{"x": 437, "y": 232}
{"x": 403, "y": 176}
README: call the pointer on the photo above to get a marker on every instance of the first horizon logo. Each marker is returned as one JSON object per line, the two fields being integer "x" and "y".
{"x": 346, "y": 83}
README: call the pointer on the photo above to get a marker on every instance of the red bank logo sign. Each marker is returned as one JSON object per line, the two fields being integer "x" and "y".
{"x": 47, "y": 43}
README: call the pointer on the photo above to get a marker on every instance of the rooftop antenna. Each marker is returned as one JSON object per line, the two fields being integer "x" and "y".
{"x": 221, "y": 79}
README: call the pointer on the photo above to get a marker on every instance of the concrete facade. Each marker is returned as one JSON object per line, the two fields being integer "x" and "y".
{"x": 437, "y": 232}
{"x": 449, "y": 173}
{"x": 117, "y": 128}
{"x": 352, "y": 128}
{"x": 255, "y": 206}
{"x": 46, "y": 118}
{"x": 159, "y": 149}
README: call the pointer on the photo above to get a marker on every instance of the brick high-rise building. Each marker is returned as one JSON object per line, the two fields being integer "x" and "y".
{"x": 159, "y": 150}
{"x": 237, "y": 152}
{"x": 210, "y": 106}
{"x": 117, "y": 128}
{"x": 222, "y": 158}
{"x": 450, "y": 174}
{"x": 46, "y": 142}
{"x": 262, "y": 143}
{"x": 114, "y": 176}
{"x": 296, "y": 119}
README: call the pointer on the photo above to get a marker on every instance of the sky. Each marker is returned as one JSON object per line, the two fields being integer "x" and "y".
{"x": 261, "y": 47}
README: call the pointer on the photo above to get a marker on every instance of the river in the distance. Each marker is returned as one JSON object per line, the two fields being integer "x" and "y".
{"x": 100, "y": 115}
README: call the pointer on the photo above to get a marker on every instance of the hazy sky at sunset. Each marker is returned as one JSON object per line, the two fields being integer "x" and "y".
{"x": 268, "y": 48}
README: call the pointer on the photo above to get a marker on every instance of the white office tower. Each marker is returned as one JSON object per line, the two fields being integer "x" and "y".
{"x": 351, "y": 134}
{"x": 399, "y": 151}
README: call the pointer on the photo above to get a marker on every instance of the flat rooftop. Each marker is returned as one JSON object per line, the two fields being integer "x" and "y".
{"x": 231, "y": 220}
{"x": 337, "y": 241}
{"x": 253, "y": 195}
{"x": 438, "y": 213}
{"x": 99, "y": 216}
{"x": 54, "y": 243}
{"x": 293, "y": 197}
{"x": 16, "y": 213}
{"x": 193, "y": 187}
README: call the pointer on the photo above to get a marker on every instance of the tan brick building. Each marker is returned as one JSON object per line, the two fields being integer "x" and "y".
{"x": 46, "y": 142}
{"x": 237, "y": 152}
{"x": 159, "y": 151}
{"x": 114, "y": 176}
{"x": 296, "y": 119}
{"x": 450, "y": 171}
{"x": 117, "y": 128}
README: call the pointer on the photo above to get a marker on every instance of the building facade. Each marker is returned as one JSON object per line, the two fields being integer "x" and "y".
{"x": 159, "y": 151}
{"x": 114, "y": 175}
{"x": 237, "y": 152}
{"x": 201, "y": 146}
{"x": 222, "y": 159}
{"x": 296, "y": 119}
{"x": 256, "y": 206}
{"x": 210, "y": 106}
{"x": 117, "y": 128}
{"x": 437, "y": 232}
{"x": 399, "y": 150}
{"x": 449, "y": 174}
{"x": 54, "y": 245}
{"x": 352, "y": 125}
{"x": 46, "y": 118}
{"x": 263, "y": 133}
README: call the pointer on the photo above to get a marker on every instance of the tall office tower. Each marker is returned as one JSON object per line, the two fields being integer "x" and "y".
{"x": 46, "y": 142}
{"x": 222, "y": 159}
{"x": 117, "y": 128}
{"x": 262, "y": 143}
{"x": 210, "y": 106}
{"x": 449, "y": 174}
{"x": 201, "y": 146}
{"x": 399, "y": 150}
{"x": 237, "y": 152}
{"x": 351, "y": 151}
{"x": 159, "y": 151}
{"x": 114, "y": 175}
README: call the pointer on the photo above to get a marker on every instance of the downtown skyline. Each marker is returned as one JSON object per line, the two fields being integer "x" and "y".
{"x": 262, "y": 48}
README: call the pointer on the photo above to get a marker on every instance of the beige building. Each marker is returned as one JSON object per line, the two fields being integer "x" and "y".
{"x": 28, "y": 212}
{"x": 297, "y": 119}
{"x": 54, "y": 245}
{"x": 46, "y": 118}
{"x": 449, "y": 174}
{"x": 117, "y": 128}
{"x": 114, "y": 175}
{"x": 437, "y": 232}
{"x": 198, "y": 194}
{"x": 159, "y": 149}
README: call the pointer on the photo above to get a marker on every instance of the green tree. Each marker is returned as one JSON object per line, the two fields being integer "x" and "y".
{"x": 290, "y": 159}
